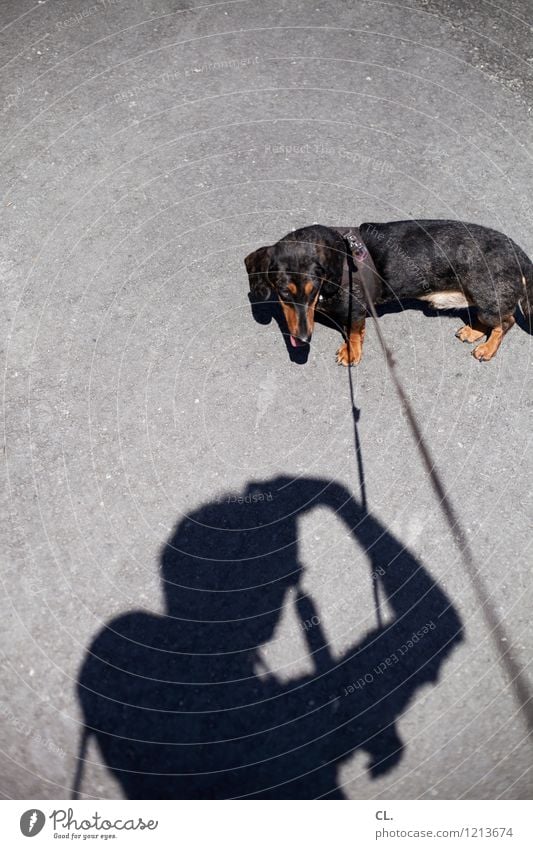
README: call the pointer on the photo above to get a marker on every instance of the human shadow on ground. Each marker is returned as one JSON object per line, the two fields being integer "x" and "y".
{"x": 181, "y": 704}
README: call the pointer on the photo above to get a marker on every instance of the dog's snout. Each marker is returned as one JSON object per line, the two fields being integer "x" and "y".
{"x": 300, "y": 322}
{"x": 305, "y": 325}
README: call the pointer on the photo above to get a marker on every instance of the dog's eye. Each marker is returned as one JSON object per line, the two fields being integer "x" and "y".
{"x": 284, "y": 293}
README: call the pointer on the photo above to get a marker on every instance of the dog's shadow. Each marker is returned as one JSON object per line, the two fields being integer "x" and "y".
{"x": 264, "y": 312}
{"x": 181, "y": 703}
{"x": 461, "y": 316}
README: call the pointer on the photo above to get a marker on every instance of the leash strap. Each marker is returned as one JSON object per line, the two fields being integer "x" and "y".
{"x": 358, "y": 265}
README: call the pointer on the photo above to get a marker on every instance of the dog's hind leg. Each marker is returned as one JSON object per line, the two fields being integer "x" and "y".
{"x": 488, "y": 349}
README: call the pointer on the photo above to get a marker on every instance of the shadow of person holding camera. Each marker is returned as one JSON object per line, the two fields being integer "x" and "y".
{"x": 182, "y": 706}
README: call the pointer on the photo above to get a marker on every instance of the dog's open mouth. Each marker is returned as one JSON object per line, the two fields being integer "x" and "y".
{"x": 297, "y": 343}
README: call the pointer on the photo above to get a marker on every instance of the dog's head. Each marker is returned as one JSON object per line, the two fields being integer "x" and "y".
{"x": 294, "y": 270}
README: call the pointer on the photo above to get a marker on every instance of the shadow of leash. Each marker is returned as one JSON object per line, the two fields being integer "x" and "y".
{"x": 82, "y": 753}
{"x": 517, "y": 681}
{"x": 356, "y": 415}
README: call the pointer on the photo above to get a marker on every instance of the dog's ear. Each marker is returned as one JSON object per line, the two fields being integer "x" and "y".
{"x": 257, "y": 267}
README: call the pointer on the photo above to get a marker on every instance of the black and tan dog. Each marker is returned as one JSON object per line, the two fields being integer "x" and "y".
{"x": 449, "y": 264}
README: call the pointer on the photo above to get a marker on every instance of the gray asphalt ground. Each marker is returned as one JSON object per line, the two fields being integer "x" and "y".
{"x": 147, "y": 147}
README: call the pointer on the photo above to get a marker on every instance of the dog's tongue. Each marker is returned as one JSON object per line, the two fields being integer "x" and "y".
{"x": 296, "y": 343}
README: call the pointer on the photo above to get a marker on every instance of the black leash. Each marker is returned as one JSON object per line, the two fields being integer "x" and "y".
{"x": 358, "y": 254}
{"x": 352, "y": 265}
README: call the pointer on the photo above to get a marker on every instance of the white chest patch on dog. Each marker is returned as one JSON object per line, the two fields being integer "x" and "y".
{"x": 447, "y": 300}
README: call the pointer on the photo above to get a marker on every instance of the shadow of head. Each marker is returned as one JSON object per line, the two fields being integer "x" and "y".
{"x": 180, "y": 704}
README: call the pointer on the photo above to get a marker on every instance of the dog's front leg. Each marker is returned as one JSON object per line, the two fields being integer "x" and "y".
{"x": 350, "y": 353}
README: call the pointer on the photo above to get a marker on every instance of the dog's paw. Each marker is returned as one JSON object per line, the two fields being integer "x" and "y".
{"x": 349, "y": 355}
{"x": 484, "y": 352}
{"x": 469, "y": 334}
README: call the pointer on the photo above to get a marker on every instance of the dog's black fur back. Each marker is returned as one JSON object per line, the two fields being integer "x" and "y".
{"x": 415, "y": 258}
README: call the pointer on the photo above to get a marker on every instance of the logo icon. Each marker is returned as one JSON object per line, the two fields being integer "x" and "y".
{"x": 31, "y": 822}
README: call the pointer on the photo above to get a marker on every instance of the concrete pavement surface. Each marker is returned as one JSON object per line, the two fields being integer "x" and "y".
{"x": 150, "y": 424}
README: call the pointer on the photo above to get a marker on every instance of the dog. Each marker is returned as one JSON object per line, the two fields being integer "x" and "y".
{"x": 447, "y": 264}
